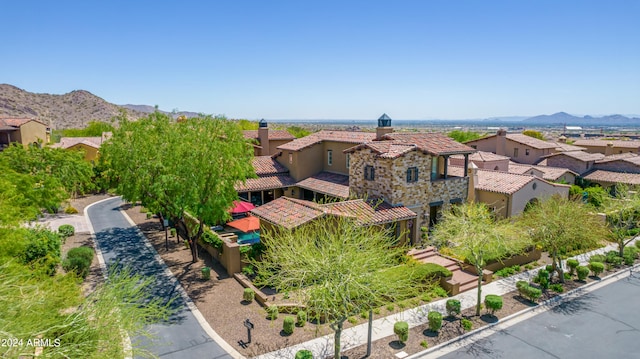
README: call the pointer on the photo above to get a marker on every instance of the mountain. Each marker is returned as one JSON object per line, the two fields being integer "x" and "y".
{"x": 563, "y": 118}
{"x": 71, "y": 110}
{"x": 151, "y": 109}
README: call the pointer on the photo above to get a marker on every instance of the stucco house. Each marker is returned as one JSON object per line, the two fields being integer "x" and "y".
{"x": 609, "y": 147}
{"x": 484, "y": 160}
{"x": 579, "y": 162}
{"x": 266, "y": 141}
{"x": 619, "y": 168}
{"x": 272, "y": 182}
{"x": 25, "y": 131}
{"x": 520, "y": 148}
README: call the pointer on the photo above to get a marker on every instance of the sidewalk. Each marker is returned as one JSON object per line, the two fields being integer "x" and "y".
{"x": 54, "y": 221}
{"x": 383, "y": 327}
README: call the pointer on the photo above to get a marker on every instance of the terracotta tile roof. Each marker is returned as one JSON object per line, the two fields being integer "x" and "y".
{"x": 613, "y": 177}
{"x": 385, "y": 149}
{"x": 274, "y": 135}
{"x": 482, "y": 156}
{"x": 430, "y": 142}
{"x": 578, "y": 155}
{"x": 267, "y": 165}
{"x": 495, "y": 181}
{"x": 603, "y": 143}
{"x": 625, "y": 157}
{"x": 265, "y": 183}
{"x": 564, "y": 147}
{"x": 7, "y": 123}
{"x": 519, "y": 168}
{"x": 288, "y": 212}
{"x": 553, "y": 173}
{"x": 530, "y": 141}
{"x": 66, "y": 142}
{"x": 332, "y": 184}
{"x": 325, "y": 135}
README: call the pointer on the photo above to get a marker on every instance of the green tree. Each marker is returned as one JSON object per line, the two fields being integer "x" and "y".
{"x": 534, "y": 134}
{"x": 464, "y": 136}
{"x": 336, "y": 268}
{"x": 478, "y": 237}
{"x": 180, "y": 168}
{"x": 560, "y": 226}
{"x": 298, "y": 131}
{"x": 623, "y": 216}
{"x": 247, "y": 125}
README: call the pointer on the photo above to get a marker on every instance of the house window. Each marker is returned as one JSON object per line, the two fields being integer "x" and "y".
{"x": 475, "y": 147}
{"x": 515, "y": 152}
{"x": 526, "y": 152}
{"x": 348, "y": 160}
{"x": 369, "y": 173}
{"x": 329, "y": 157}
{"x": 412, "y": 174}
{"x": 434, "y": 168}
{"x": 290, "y": 158}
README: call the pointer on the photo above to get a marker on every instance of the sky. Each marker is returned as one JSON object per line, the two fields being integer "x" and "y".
{"x": 328, "y": 59}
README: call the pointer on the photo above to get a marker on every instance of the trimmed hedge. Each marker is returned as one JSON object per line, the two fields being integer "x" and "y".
{"x": 596, "y": 268}
{"x": 66, "y": 230}
{"x": 572, "y": 264}
{"x": 466, "y": 324}
{"x": 248, "y": 295}
{"x": 435, "y": 321}
{"x": 301, "y": 318}
{"x": 493, "y": 303}
{"x": 453, "y": 307}
{"x": 304, "y": 354}
{"x": 401, "y": 329}
{"x": 288, "y": 325}
{"x": 527, "y": 291}
{"x": 598, "y": 258}
{"x": 583, "y": 272}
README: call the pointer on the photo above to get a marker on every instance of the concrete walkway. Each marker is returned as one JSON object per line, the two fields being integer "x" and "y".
{"x": 383, "y": 327}
{"x": 54, "y": 221}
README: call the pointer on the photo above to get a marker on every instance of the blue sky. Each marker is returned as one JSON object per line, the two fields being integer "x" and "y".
{"x": 332, "y": 59}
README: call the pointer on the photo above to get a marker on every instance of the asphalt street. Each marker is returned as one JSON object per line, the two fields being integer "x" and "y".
{"x": 121, "y": 244}
{"x": 604, "y": 323}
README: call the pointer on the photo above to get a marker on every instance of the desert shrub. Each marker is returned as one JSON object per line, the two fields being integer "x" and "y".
{"x": 149, "y": 215}
{"x": 549, "y": 268}
{"x": 78, "y": 261}
{"x": 543, "y": 279}
{"x": 572, "y": 264}
{"x": 566, "y": 275}
{"x": 42, "y": 250}
{"x": 435, "y": 321}
{"x": 507, "y": 271}
{"x": 248, "y": 271}
{"x": 493, "y": 303}
{"x": 66, "y": 230}
{"x": 390, "y": 307}
{"x": 533, "y": 293}
{"x": 376, "y": 311}
{"x": 596, "y": 268}
{"x": 628, "y": 259}
{"x": 288, "y": 325}
{"x": 401, "y": 329}
{"x": 304, "y": 354}
{"x": 633, "y": 251}
{"x": 637, "y": 244}
{"x": 613, "y": 258}
{"x": 423, "y": 272}
{"x": 424, "y": 344}
{"x": 557, "y": 287}
{"x": 212, "y": 239}
{"x": 440, "y": 292}
{"x": 272, "y": 312}
{"x": 466, "y": 324}
{"x": 248, "y": 295}
{"x": 582, "y": 272}
{"x": 598, "y": 258}
{"x": 352, "y": 320}
{"x": 301, "y": 318}
{"x": 521, "y": 284}
{"x": 453, "y": 307}
{"x": 70, "y": 210}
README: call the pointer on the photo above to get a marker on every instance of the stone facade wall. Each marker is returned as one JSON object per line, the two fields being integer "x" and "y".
{"x": 618, "y": 166}
{"x": 570, "y": 163}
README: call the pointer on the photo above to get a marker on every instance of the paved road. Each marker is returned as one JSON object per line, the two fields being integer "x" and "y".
{"x": 181, "y": 336}
{"x": 604, "y": 323}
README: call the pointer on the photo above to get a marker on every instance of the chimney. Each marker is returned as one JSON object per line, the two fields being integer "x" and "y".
{"x": 472, "y": 173}
{"x": 562, "y": 139}
{"x": 263, "y": 137}
{"x": 501, "y": 142}
{"x": 608, "y": 151}
{"x": 384, "y": 126}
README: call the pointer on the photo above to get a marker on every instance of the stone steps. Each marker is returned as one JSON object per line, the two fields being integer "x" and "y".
{"x": 466, "y": 280}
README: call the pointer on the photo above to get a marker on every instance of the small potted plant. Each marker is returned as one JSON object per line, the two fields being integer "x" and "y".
{"x": 206, "y": 273}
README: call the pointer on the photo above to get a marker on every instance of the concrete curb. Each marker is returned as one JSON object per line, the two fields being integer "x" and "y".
{"x": 515, "y": 318}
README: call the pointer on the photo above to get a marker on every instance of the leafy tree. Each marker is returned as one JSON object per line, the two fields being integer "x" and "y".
{"x": 464, "y": 136}
{"x": 560, "y": 226}
{"x": 247, "y": 125}
{"x": 93, "y": 129}
{"x": 336, "y": 268}
{"x": 623, "y": 216}
{"x": 477, "y": 237}
{"x": 298, "y": 131}
{"x": 534, "y": 134}
{"x": 180, "y": 168}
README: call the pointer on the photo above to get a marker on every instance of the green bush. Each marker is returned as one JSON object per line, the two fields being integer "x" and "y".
{"x": 466, "y": 324}
{"x": 435, "y": 321}
{"x": 613, "y": 258}
{"x": 66, "y": 230}
{"x": 507, "y": 271}
{"x": 423, "y": 272}
{"x": 70, "y": 210}
{"x": 42, "y": 249}
{"x": 637, "y": 244}
{"x": 572, "y": 264}
{"x": 493, "y": 303}
{"x": 557, "y": 287}
{"x": 248, "y": 271}
{"x": 401, "y": 329}
{"x": 424, "y": 344}
{"x": 304, "y": 354}
{"x": 596, "y": 268}
{"x": 582, "y": 272}
{"x": 149, "y": 215}
{"x": 288, "y": 325}
{"x": 521, "y": 284}
{"x": 543, "y": 279}
{"x": 301, "y": 318}
{"x": 211, "y": 239}
{"x": 453, "y": 307}
{"x": 248, "y": 295}
{"x": 632, "y": 251}
{"x": 272, "y": 312}
{"x": 78, "y": 260}
{"x": 173, "y": 232}
{"x": 533, "y": 293}
{"x": 598, "y": 258}
{"x": 549, "y": 268}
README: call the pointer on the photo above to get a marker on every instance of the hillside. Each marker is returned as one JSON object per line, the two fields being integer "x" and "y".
{"x": 563, "y": 118}
{"x": 151, "y": 109}
{"x": 71, "y": 110}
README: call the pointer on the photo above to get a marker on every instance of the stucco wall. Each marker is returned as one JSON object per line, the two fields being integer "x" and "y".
{"x": 570, "y": 163}
{"x": 618, "y": 166}
{"x": 339, "y": 164}
{"x": 31, "y": 132}
{"x": 542, "y": 191}
{"x": 90, "y": 153}
{"x": 534, "y": 154}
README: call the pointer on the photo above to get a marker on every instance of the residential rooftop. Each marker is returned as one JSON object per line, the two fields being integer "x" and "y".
{"x": 327, "y": 135}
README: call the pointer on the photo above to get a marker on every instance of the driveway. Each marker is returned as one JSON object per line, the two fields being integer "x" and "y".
{"x": 604, "y": 323}
{"x": 182, "y": 336}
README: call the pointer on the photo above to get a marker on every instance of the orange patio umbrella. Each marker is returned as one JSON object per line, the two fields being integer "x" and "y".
{"x": 246, "y": 224}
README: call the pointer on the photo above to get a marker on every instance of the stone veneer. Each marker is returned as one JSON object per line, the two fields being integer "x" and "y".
{"x": 390, "y": 183}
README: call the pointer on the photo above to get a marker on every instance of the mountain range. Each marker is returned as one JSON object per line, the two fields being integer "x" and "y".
{"x": 76, "y": 108}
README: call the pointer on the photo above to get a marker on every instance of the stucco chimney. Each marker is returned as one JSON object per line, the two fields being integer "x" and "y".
{"x": 501, "y": 142}
{"x": 263, "y": 137}
{"x": 384, "y": 126}
{"x": 608, "y": 150}
{"x": 472, "y": 173}
{"x": 562, "y": 139}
